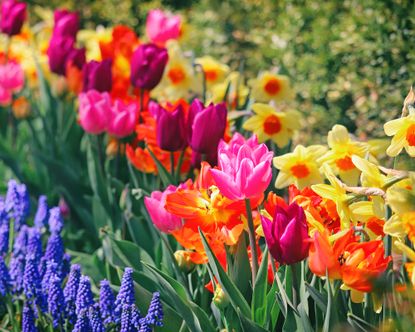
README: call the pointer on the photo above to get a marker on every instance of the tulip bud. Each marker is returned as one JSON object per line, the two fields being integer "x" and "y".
{"x": 183, "y": 260}
{"x": 287, "y": 234}
{"x": 122, "y": 119}
{"x": 13, "y": 15}
{"x": 66, "y": 23}
{"x": 171, "y": 131}
{"x": 147, "y": 66}
{"x": 94, "y": 111}
{"x": 220, "y": 298}
{"x": 64, "y": 208}
{"x": 206, "y": 126}
{"x": 97, "y": 76}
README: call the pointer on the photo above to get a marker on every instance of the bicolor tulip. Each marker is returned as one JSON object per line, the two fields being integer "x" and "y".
{"x": 94, "y": 111}
{"x": 123, "y": 119}
{"x": 97, "y": 75}
{"x": 66, "y": 23}
{"x": 163, "y": 220}
{"x": 206, "y": 126}
{"x": 287, "y": 234}
{"x": 13, "y": 15}
{"x": 161, "y": 26}
{"x": 147, "y": 66}
{"x": 171, "y": 130}
{"x": 244, "y": 170}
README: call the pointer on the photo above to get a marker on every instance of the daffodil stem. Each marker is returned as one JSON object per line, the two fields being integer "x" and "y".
{"x": 252, "y": 242}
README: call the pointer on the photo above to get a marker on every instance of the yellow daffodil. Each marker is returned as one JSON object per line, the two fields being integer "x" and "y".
{"x": 179, "y": 78}
{"x": 403, "y": 132}
{"x": 215, "y": 72}
{"x": 299, "y": 167}
{"x": 339, "y": 157}
{"x": 268, "y": 86}
{"x": 234, "y": 86}
{"x": 348, "y": 212}
{"x": 401, "y": 196}
{"x": 378, "y": 146}
{"x": 394, "y": 227}
{"x": 270, "y": 124}
{"x": 411, "y": 255}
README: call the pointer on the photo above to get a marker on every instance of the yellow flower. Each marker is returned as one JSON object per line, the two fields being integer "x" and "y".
{"x": 91, "y": 39}
{"x": 215, "y": 71}
{"x": 339, "y": 157}
{"x": 268, "y": 86}
{"x": 347, "y": 212}
{"x": 403, "y": 132}
{"x": 401, "y": 196}
{"x": 299, "y": 167}
{"x": 268, "y": 123}
{"x": 237, "y": 91}
{"x": 179, "y": 78}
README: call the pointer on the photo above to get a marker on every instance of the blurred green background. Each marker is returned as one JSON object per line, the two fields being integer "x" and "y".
{"x": 350, "y": 61}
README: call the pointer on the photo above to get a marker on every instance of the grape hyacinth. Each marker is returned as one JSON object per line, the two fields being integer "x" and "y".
{"x": 28, "y": 319}
{"x": 82, "y": 322}
{"x": 32, "y": 283}
{"x": 126, "y": 294}
{"x": 95, "y": 320}
{"x": 106, "y": 302}
{"x": 5, "y": 281}
{"x": 130, "y": 318}
{"x": 17, "y": 202}
{"x": 42, "y": 213}
{"x": 51, "y": 271}
{"x": 20, "y": 242}
{"x": 17, "y": 265}
{"x": 56, "y": 304}
{"x": 84, "y": 298}
{"x": 70, "y": 291}
{"x": 55, "y": 220}
{"x": 34, "y": 244}
{"x": 4, "y": 238}
{"x": 155, "y": 311}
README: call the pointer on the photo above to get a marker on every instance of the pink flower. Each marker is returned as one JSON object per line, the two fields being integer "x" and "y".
{"x": 94, "y": 111}
{"x": 245, "y": 168}
{"x": 11, "y": 80}
{"x": 163, "y": 220}
{"x": 161, "y": 26}
{"x": 287, "y": 234}
{"x": 123, "y": 119}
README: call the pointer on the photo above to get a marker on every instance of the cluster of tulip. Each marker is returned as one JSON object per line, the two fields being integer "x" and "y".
{"x": 333, "y": 213}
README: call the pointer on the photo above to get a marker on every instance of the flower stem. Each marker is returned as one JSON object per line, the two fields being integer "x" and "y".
{"x": 295, "y": 285}
{"x": 140, "y": 111}
{"x": 12, "y": 317}
{"x": 252, "y": 242}
{"x": 172, "y": 164}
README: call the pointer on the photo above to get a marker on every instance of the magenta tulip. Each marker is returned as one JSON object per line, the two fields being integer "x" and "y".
{"x": 94, "y": 111}
{"x": 163, "y": 220}
{"x": 206, "y": 126}
{"x": 97, "y": 76}
{"x": 147, "y": 66}
{"x": 171, "y": 130}
{"x": 161, "y": 27}
{"x": 13, "y": 15}
{"x": 123, "y": 119}
{"x": 245, "y": 169}
{"x": 66, "y": 23}
{"x": 58, "y": 53}
{"x": 76, "y": 57}
{"x": 287, "y": 234}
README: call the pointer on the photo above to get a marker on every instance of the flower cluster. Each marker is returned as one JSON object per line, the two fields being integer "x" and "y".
{"x": 53, "y": 290}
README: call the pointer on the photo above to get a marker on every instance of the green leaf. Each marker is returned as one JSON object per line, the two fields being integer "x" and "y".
{"x": 248, "y": 325}
{"x": 318, "y": 298}
{"x": 331, "y": 314}
{"x": 235, "y": 296}
{"x": 259, "y": 303}
{"x": 165, "y": 176}
{"x": 240, "y": 270}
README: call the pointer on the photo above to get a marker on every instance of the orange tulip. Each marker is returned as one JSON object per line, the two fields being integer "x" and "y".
{"x": 363, "y": 263}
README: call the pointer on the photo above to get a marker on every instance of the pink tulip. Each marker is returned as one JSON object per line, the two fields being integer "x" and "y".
{"x": 94, "y": 111}
{"x": 245, "y": 169}
{"x": 161, "y": 26}
{"x": 163, "y": 220}
{"x": 287, "y": 234}
{"x": 11, "y": 80}
{"x": 123, "y": 119}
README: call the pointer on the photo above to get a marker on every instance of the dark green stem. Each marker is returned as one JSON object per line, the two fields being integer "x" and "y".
{"x": 252, "y": 242}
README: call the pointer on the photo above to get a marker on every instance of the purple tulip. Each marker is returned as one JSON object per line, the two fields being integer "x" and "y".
{"x": 66, "y": 23}
{"x": 76, "y": 57}
{"x": 58, "y": 52}
{"x": 206, "y": 126}
{"x": 171, "y": 130}
{"x": 13, "y": 15}
{"x": 147, "y": 66}
{"x": 287, "y": 234}
{"x": 97, "y": 76}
